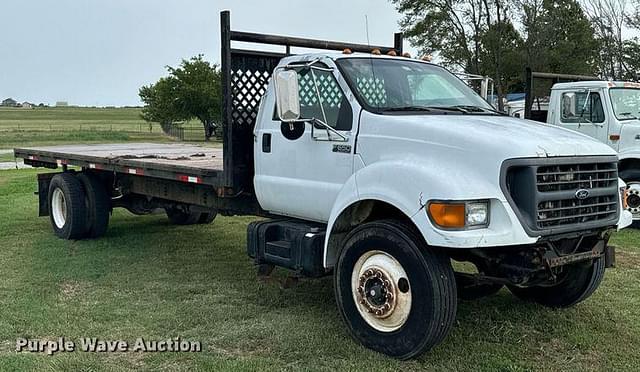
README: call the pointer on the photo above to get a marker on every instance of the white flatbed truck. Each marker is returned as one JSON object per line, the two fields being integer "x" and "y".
{"x": 378, "y": 169}
{"x": 608, "y": 111}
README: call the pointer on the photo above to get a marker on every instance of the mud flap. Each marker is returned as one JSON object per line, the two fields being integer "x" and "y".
{"x": 609, "y": 256}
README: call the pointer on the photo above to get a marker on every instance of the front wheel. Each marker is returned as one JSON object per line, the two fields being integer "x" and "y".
{"x": 632, "y": 178}
{"x": 633, "y": 202}
{"x": 396, "y": 295}
{"x": 575, "y": 285}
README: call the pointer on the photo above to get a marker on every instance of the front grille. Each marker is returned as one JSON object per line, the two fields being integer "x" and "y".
{"x": 576, "y": 176}
{"x": 553, "y": 213}
{"x": 554, "y": 195}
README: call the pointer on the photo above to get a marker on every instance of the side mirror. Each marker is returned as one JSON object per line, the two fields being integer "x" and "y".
{"x": 569, "y": 105}
{"x": 287, "y": 101}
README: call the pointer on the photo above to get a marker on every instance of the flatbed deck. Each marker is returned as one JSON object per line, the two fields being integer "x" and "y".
{"x": 189, "y": 163}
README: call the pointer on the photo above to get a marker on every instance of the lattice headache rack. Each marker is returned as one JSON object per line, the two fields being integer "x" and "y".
{"x": 245, "y": 75}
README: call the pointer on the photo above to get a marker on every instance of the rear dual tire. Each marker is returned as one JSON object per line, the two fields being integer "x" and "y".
{"x": 178, "y": 216}
{"x": 67, "y": 209}
{"x": 79, "y": 206}
{"x": 385, "y": 257}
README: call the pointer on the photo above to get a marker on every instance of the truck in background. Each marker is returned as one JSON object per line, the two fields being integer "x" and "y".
{"x": 376, "y": 169}
{"x": 608, "y": 111}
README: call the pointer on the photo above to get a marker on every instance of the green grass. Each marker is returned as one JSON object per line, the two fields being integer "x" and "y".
{"x": 60, "y": 125}
{"x": 148, "y": 279}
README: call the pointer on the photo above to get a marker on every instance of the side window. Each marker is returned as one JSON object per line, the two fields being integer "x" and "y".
{"x": 582, "y": 107}
{"x": 334, "y": 103}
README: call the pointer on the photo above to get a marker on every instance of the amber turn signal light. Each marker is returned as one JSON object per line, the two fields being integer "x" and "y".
{"x": 447, "y": 215}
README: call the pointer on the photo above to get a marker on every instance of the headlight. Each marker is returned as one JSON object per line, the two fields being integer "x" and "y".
{"x": 459, "y": 215}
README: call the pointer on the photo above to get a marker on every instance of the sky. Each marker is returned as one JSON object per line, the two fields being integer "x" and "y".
{"x": 100, "y": 52}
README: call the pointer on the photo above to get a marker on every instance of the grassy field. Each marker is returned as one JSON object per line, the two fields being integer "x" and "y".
{"x": 60, "y": 125}
{"x": 148, "y": 279}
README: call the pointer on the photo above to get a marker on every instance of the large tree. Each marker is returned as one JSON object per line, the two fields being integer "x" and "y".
{"x": 191, "y": 91}
{"x": 160, "y": 103}
{"x": 474, "y": 36}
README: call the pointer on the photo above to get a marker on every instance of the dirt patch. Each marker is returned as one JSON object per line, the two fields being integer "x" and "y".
{"x": 70, "y": 290}
{"x": 558, "y": 352}
{"x": 627, "y": 259}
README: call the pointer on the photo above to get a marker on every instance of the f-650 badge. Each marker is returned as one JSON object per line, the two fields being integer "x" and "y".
{"x": 342, "y": 148}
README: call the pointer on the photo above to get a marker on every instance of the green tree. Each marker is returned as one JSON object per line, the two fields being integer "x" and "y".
{"x": 160, "y": 103}
{"x": 191, "y": 91}
{"x": 473, "y": 36}
{"x": 567, "y": 42}
{"x": 199, "y": 92}
{"x": 501, "y": 56}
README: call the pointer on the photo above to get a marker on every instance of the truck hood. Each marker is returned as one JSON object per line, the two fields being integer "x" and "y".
{"x": 497, "y": 137}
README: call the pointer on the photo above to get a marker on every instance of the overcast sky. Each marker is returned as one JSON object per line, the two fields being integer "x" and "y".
{"x": 99, "y": 52}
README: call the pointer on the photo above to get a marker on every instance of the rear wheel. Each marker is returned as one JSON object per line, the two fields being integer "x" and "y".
{"x": 208, "y": 217}
{"x": 67, "y": 206}
{"x": 178, "y": 216}
{"x": 98, "y": 205}
{"x": 396, "y": 295}
{"x": 576, "y": 284}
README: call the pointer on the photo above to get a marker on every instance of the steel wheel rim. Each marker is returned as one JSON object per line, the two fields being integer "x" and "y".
{"x": 633, "y": 199}
{"x": 381, "y": 291}
{"x": 58, "y": 208}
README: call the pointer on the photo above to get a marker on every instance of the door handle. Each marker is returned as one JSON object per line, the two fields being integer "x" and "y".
{"x": 266, "y": 142}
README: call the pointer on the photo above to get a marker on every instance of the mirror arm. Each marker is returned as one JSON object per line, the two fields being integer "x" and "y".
{"x": 328, "y": 128}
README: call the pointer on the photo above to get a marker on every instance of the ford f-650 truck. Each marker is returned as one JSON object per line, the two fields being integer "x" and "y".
{"x": 376, "y": 168}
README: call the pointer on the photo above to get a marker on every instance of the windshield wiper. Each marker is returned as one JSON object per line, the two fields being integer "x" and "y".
{"x": 407, "y": 108}
{"x": 450, "y": 108}
{"x": 479, "y": 109}
{"x": 630, "y": 116}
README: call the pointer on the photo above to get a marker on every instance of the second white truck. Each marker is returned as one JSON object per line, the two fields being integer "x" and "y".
{"x": 376, "y": 169}
{"x": 608, "y": 111}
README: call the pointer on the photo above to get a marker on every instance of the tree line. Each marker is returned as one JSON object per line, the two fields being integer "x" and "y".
{"x": 499, "y": 38}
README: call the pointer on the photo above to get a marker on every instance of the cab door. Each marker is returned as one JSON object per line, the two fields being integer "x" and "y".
{"x": 583, "y": 111}
{"x": 301, "y": 168}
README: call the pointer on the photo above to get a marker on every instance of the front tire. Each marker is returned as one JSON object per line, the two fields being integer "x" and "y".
{"x": 396, "y": 294}
{"x": 67, "y": 207}
{"x": 576, "y": 285}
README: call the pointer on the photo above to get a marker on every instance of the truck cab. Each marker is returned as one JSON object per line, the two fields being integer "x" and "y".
{"x": 609, "y": 112}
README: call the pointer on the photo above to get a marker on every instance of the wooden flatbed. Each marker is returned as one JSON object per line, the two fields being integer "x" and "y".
{"x": 182, "y": 162}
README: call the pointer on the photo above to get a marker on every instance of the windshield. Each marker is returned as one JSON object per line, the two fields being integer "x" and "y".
{"x": 625, "y": 102}
{"x": 394, "y": 85}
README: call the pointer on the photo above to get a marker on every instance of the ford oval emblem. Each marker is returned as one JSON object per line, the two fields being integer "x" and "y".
{"x": 582, "y": 194}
